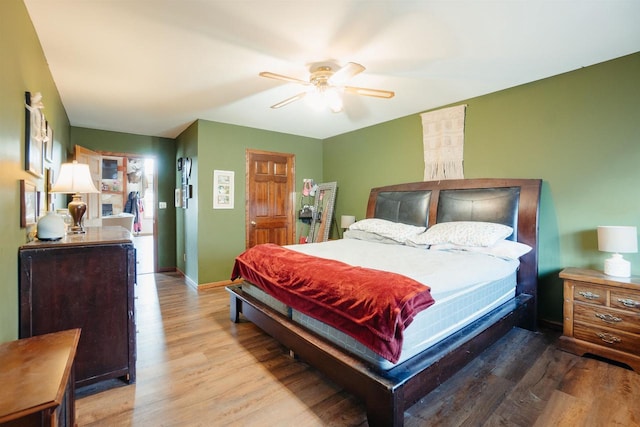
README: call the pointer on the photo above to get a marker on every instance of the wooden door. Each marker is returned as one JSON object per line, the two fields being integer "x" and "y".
{"x": 269, "y": 201}
{"x": 94, "y": 160}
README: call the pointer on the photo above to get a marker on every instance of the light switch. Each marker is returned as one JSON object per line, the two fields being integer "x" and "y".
{"x": 162, "y": 205}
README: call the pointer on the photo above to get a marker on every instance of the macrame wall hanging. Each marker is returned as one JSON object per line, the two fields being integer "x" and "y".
{"x": 443, "y": 138}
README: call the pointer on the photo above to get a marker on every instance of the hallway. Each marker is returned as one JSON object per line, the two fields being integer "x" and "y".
{"x": 144, "y": 253}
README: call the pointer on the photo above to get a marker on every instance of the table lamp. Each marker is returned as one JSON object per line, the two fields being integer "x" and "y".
{"x": 346, "y": 221}
{"x": 75, "y": 178}
{"x": 617, "y": 239}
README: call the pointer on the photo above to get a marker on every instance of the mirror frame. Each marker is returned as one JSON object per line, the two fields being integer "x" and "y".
{"x": 323, "y": 206}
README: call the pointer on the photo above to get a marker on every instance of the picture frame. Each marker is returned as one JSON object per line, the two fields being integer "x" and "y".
{"x": 48, "y": 144}
{"x": 48, "y": 184}
{"x": 178, "y": 197}
{"x": 186, "y": 172}
{"x": 29, "y": 203}
{"x": 223, "y": 189}
{"x": 35, "y": 133}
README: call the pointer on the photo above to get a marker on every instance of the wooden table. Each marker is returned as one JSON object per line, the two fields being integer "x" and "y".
{"x": 37, "y": 380}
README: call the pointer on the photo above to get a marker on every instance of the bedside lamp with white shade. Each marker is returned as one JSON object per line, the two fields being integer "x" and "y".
{"x": 75, "y": 178}
{"x": 617, "y": 239}
{"x": 346, "y": 221}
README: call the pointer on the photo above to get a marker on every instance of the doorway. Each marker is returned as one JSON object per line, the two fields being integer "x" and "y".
{"x": 128, "y": 188}
{"x": 141, "y": 178}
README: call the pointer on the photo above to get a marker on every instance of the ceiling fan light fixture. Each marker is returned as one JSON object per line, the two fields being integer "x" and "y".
{"x": 326, "y": 87}
{"x": 325, "y": 97}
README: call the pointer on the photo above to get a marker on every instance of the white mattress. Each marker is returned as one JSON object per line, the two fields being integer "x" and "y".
{"x": 464, "y": 285}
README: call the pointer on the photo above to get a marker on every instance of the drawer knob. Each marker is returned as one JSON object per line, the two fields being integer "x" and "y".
{"x": 589, "y": 295}
{"x": 628, "y": 302}
{"x": 608, "y": 318}
{"x": 608, "y": 338}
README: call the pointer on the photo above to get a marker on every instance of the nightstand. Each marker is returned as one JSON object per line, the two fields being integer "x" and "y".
{"x": 601, "y": 316}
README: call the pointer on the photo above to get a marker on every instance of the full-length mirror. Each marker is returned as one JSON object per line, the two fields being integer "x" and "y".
{"x": 323, "y": 212}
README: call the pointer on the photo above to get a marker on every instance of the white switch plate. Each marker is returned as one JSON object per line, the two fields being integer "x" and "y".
{"x": 162, "y": 205}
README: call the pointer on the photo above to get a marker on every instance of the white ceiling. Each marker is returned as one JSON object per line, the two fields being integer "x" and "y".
{"x": 152, "y": 67}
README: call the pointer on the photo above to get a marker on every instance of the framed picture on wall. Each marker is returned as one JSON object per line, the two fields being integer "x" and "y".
{"x": 28, "y": 203}
{"x": 35, "y": 134}
{"x": 48, "y": 144}
{"x": 223, "y": 189}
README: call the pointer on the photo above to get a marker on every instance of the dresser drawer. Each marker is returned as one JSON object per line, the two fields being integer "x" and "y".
{"x": 589, "y": 294}
{"x": 602, "y": 316}
{"x": 629, "y": 301}
{"x": 607, "y": 337}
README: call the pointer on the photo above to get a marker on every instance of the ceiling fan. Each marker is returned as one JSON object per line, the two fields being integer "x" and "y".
{"x": 326, "y": 85}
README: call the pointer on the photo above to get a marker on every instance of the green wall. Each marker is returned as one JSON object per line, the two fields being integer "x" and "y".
{"x": 23, "y": 69}
{"x": 579, "y": 132}
{"x": 220, "y": 233}
{"x": 163, "y": 150}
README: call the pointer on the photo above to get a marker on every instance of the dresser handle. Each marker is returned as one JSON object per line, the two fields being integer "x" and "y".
{"x": 589, "y": 295}
{"x": 608, "y": 318}
{"x": 628, "y": 302}
{"x": 608, "y": 338}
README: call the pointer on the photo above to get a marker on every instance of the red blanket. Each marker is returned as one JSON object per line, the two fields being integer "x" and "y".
{"x": 372, "y": 306}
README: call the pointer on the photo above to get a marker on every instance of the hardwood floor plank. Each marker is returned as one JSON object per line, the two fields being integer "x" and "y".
{"x": 197, "y": 368}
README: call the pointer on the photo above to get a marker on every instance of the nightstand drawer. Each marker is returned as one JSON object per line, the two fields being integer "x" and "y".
{"x": 601, "y": 316}
{"x": 589, "y": 294}
{"x": 626, "y": 300}
{"x": 606, "y": 337}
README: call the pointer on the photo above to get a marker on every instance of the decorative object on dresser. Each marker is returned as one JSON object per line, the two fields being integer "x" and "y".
{"x": 51, "y": 227}
{"x": 75, "y": 178}
{"x": 617, "y": 239}
{"x": 601, "y": 316}
{"x": 84, "y": 281}
{"x": 37, "y": 380}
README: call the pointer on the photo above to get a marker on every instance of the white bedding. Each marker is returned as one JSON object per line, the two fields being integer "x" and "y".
{"x": 445, "y": 272}
{"x": 465, "y": 286}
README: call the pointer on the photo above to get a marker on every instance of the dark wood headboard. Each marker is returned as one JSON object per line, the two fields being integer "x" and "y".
{"x": 516, "y": 203}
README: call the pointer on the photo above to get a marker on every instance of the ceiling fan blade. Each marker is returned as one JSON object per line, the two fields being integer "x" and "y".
{"x": 281, "y": 77}
{"x": 289, "y": 100}
{"x": 340, "y": 77}
{"x": 378, "y": 93}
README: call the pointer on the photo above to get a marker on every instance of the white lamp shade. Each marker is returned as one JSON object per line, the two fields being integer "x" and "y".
{"x": 74, "y": 178}
{"x": 618, "y": 239}
{"x": 347, "y": 220}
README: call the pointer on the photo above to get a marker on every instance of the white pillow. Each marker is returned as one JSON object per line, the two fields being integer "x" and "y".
{"x": 369, "y": 237}
{"x": 502, "y": 249}
{"x": 463, "y": 233}
{"x": 389, "y": 229}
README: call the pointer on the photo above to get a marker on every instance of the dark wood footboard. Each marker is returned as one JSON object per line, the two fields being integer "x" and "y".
{"x": 385, "y": 394}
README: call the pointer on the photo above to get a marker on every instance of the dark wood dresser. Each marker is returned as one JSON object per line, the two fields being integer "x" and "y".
{"x": 84, "y": 281}
{"x": 602, "y": 315}
{"x": 37, "y": 380}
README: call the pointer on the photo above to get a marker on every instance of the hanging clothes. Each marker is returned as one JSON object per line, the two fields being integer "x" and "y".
{"x": 134, "y": 206}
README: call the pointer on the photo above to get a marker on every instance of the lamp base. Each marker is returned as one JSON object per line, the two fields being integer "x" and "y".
{"x": 77, "y": 208}
{"x": 617, "y": 266}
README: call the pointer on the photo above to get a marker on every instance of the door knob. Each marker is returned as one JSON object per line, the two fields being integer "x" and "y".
{"x": 253, "y": 223}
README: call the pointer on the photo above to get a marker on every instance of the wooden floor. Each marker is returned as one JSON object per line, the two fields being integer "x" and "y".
{"x": 196, "y": 368}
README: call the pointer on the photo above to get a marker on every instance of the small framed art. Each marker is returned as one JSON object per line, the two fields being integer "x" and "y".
{"x": 223, "y": 189}
{"x": 35, "y": 135}
{"x": 28, "y": 203}
{"x": 48, "y": 144}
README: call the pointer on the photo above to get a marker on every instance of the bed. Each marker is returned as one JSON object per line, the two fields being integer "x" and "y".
{"x": 388, "y": 389}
